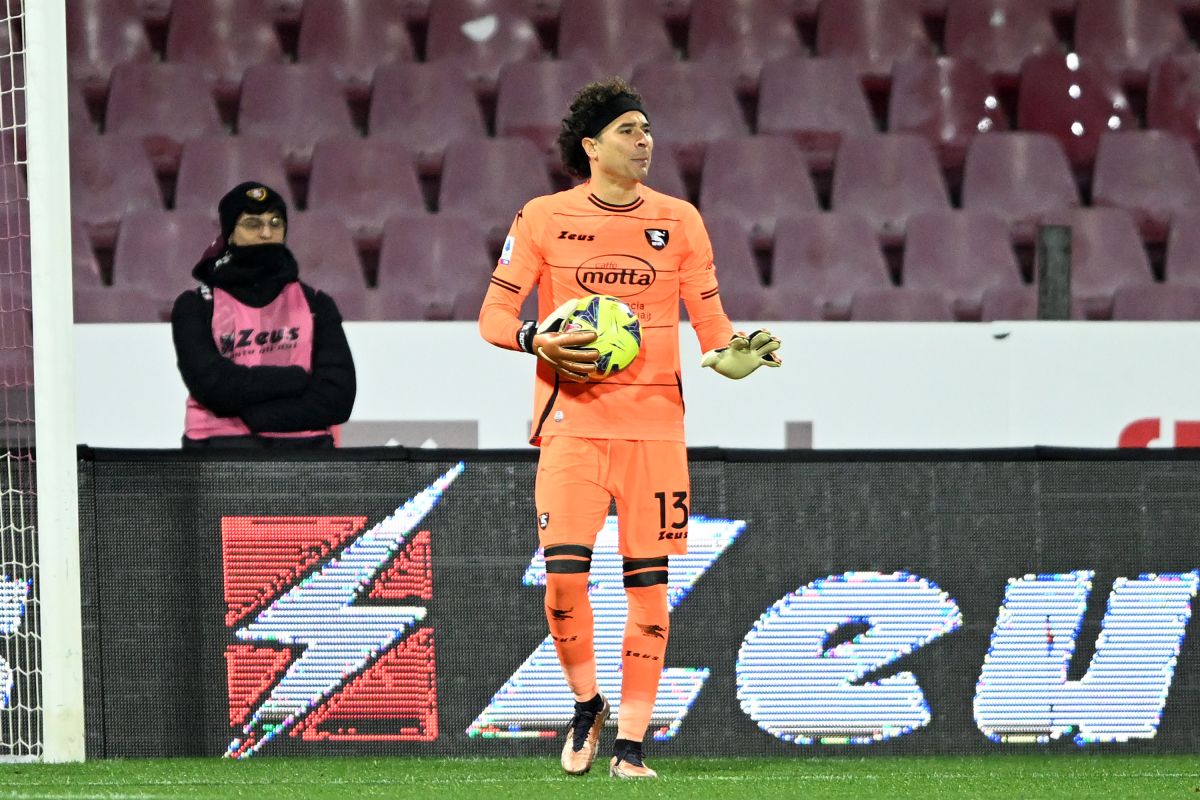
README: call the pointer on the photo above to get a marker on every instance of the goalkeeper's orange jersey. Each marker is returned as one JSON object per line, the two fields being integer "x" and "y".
{"x": 649, "y": 253}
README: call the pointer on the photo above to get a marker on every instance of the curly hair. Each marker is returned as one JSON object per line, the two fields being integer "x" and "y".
{"x": 584, "y": 105}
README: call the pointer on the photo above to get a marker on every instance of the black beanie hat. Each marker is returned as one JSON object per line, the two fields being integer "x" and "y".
{"x": 250, "y": 197}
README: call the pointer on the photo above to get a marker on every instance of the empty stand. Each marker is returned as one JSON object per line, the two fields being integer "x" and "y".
{"x": 1019, "y": 177}
{"x": 489, "y": 180}
{"x": 665, "y": 175}
{"x": 432, "y": 268}
{"x": 211, "y": 166}
{"x": 1000, "y": 34}
{"x": 1183, "y": 248}
{"x": 692, "y": 104}
{"x": 740, "y": 35}
{"x": 481, "y": 36}
{"x": 1009, "y": 303}
{"x": 1150, "y": 174}
{"x": 829, "y": 256}
{"x": 742, "y": 291}
{"x": 163, "y": 104}
{"x": 85, "y": 267}
{"x": 110, "y": 176}
{"x": 352, "y": 38}
{"x": 295, "y": 104}
{"x": 424, "y": 106}
{"x": 887, "y": 178}
{"x": 155, "y": 253}
{"x": 614, "y": 35}
{"x": 959, "y": 253}
{"x": 1074, "y": 100}
{"x": 1173, "y": 101}
{"x": 79, "y": 119}
{"x": 1106, "y": 252}
{"x": 364, "y": 182}
{"x": 328, "y": 260}
{"x": 533, "y": 98}
{"x": 756, "y": 180}
{"x": 1156, "y": 301}
{"x": 900, "y": 305}
{"x": 1126, "y": 35}
{"x": 100, "y": 35}
{"x": 946, "y": 100}
{"x": 873, "y": 34}
{"x": 816, "y": 101}
{"x": 225, "y": 38}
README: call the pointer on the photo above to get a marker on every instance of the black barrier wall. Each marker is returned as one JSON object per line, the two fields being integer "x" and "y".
{"x": 384, "y": 601}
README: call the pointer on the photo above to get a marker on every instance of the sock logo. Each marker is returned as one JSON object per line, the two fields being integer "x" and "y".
{"x": 561, "y": 613}
{"x": 653, "y": 631}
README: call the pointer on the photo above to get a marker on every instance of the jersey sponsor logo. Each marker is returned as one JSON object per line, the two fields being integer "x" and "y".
{"x": 615, "y": 274}
{"x": 507, "y": 251}
{"x": 577, "y": 237}
{"x": 658, "y": 237}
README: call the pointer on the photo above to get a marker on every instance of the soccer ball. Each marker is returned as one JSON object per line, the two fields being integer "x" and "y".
{"x": 618, "y": 334}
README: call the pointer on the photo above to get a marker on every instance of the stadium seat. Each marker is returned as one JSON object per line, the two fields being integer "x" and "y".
{"x": 481, "y": 36}
{"x": 1000, "y": 34}
{"x": 959, "y": 253}
{"x": 693, "y": 104}
{"x": 1003, "y": 303}
{"x": 1183, "y": 248}
{"x": 225, "y": 38}
{"x": 614, "y": 35}
{"x": 329, "y": 261}
{"x": 212, "y": 165}
{"x": 740, "y": 35}
{"x": 1173, "y": 98}
{"x": 110, "y": 177}
{"x": 489, "y": 180}
{"x": 1126, "y": 35}
{"x": 873, "y": 34}
{"x": 533, "y": 98}
{"x": 86, "y": 271}
{"x": 1148, "y": 173}
{"x": 352, "y": 38}
{"x": 946, "y": 100}
{"x": 1018, "y": 176}
{"x": 816, "y": 101}
{"x": 1106, "y": 252}
{"x": 743, "y": 294}
{"x": 424, "y": 106}
{"x": 295, "y": 104}
{"x": 1156, "y": 301}
{"x": 364, "y": 182}
{"x": 898, "y": 304}
{"x": 756, "y": 180}
{"x": 829, "y": 256}
{"x": 164, "y": 104}
{"x": 887, "y": 178}
{"x": 100, "y": 35}
{"x": 79, "y": 119}
{"x": 155, "y": 12}
{"x": 433, "y": 268}
{"x": 665, "y": 175}
{"x": 1074, "y": 100}
{"x": 155, "y": 253}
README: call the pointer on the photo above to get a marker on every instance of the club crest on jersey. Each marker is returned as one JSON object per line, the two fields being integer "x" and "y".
{"x": 657, "y": 237}
{"x": 543, "y": 520}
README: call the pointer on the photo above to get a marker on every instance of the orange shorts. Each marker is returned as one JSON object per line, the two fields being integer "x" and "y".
{"x": 577, "y": 479}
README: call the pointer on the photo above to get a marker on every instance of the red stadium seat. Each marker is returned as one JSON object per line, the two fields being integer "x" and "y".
{"x": 86, "y": 271}
{"x": 959, "y": 253}
{"x": 900, "y": 305}
{"x": 329, "y": 261}
{"x": 1173, "y": 102}
{"x": 816, "y": 101}
{"x": 1149, "y": 173}
{"x": 352, "y": 38}
{"x": 740, "y": 35}
{"x": 1106, "y": 252}
{"x": 1019, "y": 177}
{"x": 110, "y": 176}
{"x": 1004, "y": 303}
{"x": 432, "y": 268}
{"x": 1157, "y": 301}
{"x": 533, "y": 98}
{"x": 100, "y": 35}
{"x": 295, "y": 104}
{"x": 873, "y": 34}
{"x": 164, "y": 104}
{"x": 481, "y": 36}
{"x": 742, "y": 291}
{"x": 665, "y": 175}
{"x": 1073, "y": 100}
{"x": 946, "y": 100}
{"x": 887, "y": 178}
{"x": 1000, "y": 34}
{"x": 614, "y": 35}
{"x": 489, "y": 180}
{"x": 756, "y": 180}
{"x": 79, "y": 119}
{"x": 211, "y": 165}
{"x": 225, "y": 37}
{"x": 692, "y": 104}
{"x": 424, "y": 106}
{"x": 364, "y": 182}
{"x": 830, "y": 256}
{"x": 1183, "y": 248}
{"x": 1126, "y": 35}
{"x": 155, "y": 253}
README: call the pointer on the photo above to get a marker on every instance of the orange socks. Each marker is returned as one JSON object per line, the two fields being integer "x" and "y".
{"x": 644, "y": 647}
{"x": 569, "y": 613}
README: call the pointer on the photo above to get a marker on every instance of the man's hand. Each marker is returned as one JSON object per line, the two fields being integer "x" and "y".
{"x": 744, "y": 354}
{"x": 574, "y": 365}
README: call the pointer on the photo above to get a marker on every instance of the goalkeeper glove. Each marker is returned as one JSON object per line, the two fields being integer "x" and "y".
{"x": 562, "y": 350}
{"x": 744, "y": 354}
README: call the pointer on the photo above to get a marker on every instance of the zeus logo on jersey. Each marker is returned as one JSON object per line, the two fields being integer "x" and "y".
{"x": 577, "y": 237}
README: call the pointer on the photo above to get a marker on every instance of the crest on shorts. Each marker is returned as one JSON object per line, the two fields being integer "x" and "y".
{"x": 257, "y": 194}
{"x": 657, "y": 237}
{"x": 543, "y": 520}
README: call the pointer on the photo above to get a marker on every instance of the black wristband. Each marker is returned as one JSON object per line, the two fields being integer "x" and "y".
{"x": 526, "y": 334}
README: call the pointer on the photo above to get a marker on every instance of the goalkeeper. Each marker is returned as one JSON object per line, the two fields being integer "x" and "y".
{"x": 620, "y": 438}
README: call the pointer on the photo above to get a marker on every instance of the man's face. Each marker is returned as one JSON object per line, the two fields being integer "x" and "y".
{"x": 251, "y": 229}
{"x": 623, "y": 148}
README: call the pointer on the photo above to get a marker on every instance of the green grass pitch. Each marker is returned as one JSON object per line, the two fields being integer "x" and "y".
{"x": 938, "y": 778}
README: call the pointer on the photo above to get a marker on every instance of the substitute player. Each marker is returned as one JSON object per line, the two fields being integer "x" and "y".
{"x": 620, "y": 438}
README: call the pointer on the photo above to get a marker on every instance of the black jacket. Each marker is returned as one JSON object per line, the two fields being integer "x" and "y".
{"x": 268, "y": 399}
